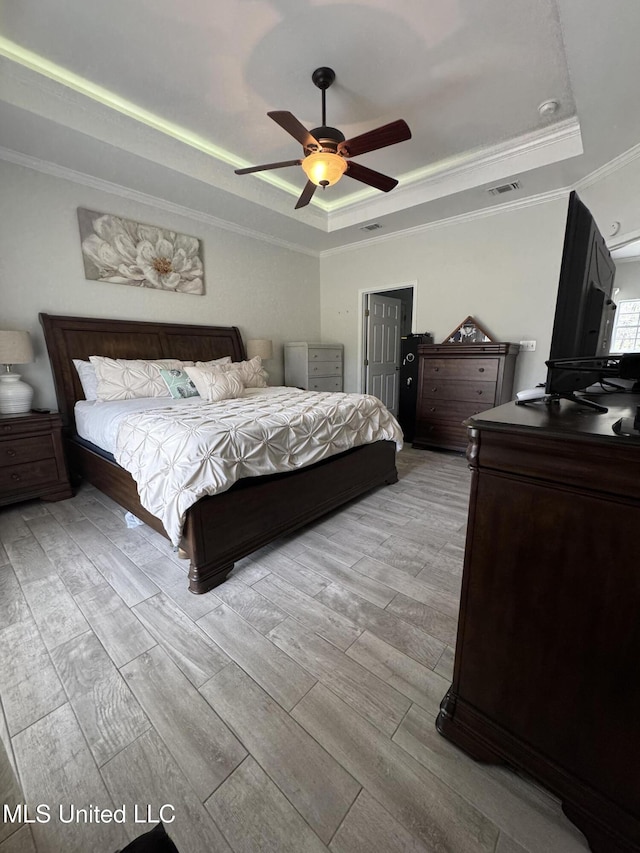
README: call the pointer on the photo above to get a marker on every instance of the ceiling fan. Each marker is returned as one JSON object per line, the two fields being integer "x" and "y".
{"x": 327, "y": 153}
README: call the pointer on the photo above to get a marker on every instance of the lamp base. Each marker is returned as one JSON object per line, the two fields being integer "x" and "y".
{"x": 15, "y": 395}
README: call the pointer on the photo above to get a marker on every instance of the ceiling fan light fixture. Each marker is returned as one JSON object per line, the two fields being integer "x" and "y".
{"x": 324, "y": 168}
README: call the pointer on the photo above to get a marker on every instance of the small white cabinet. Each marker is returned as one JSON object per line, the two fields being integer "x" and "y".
{"x": 316, "y": 367}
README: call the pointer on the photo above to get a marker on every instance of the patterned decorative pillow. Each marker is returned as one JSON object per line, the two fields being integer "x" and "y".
{"x": 251, "y": 372}
{"x": 125, "y": 379}
{"x": 88, "y": 378}
{"x": 215, "y": 385}
{"x": 178, "y": 383}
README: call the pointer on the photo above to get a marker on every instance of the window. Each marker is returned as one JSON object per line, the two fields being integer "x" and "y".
{"x": 626, "y": 331}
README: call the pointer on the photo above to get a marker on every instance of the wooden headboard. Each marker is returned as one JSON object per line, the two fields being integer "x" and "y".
{"x": 79, "y": 337}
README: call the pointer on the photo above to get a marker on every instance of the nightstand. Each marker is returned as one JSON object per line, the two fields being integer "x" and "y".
{"x": 316, "y": 367}
{"x": 32, "y": 463}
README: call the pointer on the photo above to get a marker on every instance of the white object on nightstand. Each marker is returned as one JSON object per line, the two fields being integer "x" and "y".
{"x": 316, "y": 367}
{"x": 15, "y": 395}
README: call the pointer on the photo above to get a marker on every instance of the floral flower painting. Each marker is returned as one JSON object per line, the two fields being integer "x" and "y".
{"x": 121, "y": 251}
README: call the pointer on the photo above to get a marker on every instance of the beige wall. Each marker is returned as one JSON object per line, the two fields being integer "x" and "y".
{"x": 269, "y": 292}
{"x": 502, "y": 269}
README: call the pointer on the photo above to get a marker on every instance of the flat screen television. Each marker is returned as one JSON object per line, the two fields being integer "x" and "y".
{"x": 585, "y": 311}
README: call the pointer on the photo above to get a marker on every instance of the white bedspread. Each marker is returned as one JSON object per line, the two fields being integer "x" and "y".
{"x": 98, "y": 422}
{"x": 177, "y": 453}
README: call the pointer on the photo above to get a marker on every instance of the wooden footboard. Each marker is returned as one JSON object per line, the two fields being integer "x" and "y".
{"x": 223, "y": 528}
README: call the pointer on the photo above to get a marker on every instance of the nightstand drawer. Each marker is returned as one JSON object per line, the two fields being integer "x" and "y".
{"x": 22, "y": 477}
{"x": 21, "y": 425}
{"x": 325, "y": 354}
{"x": 328, "y": 383}
{"x": 18, "y": 450}
{"x": 325, "y": 368}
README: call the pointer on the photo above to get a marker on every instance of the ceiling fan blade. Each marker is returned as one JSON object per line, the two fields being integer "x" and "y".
{"x": 307, "y": 195}
{"x": 250, "y": 169}
{"x": 290, "y": 123}
{"x": 370, "y": 177}
{"x": 388, "y": 134}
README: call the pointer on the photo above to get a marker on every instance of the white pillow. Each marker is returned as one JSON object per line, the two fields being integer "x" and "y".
{"x": 88, "y": 378}
{"x": 126, "y": 379}
{"x": 251, "y": 372}
{"x": 215, "y": 385}
{"x": 226, "y": 359}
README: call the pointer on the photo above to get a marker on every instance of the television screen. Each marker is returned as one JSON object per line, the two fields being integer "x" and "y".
{"x": 584, "y": 309}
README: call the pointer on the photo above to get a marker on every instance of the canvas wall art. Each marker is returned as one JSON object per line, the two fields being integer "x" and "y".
{"x": 122, "y": 251}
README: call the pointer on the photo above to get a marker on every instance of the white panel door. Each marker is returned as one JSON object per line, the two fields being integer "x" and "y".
{"x": 382, "y": 357}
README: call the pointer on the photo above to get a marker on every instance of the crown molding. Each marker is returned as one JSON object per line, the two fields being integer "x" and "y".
{"x": 624, "y": 159}
{"x": 56, "y": 171}
{"x": 468, "y": 171}
{"x": 507, "y": 207}
{"x": 36, "y": 84}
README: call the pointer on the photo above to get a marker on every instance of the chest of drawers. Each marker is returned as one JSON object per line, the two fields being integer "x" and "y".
{"x": 456, "y": 381}
{"x": 316, "y": 367}
{"x": 32, "y": 463}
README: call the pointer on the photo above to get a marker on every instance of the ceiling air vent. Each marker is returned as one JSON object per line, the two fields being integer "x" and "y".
{"x": 373, "y": 227}
{"x": 504, "y": 188}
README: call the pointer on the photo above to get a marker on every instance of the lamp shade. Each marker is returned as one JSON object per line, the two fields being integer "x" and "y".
{"x": 323, "y": 168}
{"x": 15, "y": 348}
{"x": 261, "y": 347}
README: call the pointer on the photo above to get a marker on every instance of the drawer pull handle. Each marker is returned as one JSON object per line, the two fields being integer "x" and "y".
{"x": 479, "y": 392}
{"x": 436, "y": 369}
{"x": 432, "y": 409}
{"x": 15, "y": 476}
{"x": 6, "y": 428}
{"x": 481, "y": 370}
{"x": 11, "y": 452}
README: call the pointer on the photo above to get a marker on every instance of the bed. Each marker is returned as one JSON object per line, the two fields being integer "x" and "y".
{"x": 222, "y": 528}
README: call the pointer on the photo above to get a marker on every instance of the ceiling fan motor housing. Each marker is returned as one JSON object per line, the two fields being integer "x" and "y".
{"x": 328, "y": 137}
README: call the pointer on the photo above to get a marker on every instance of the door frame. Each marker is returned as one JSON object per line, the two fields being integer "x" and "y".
{"x": 363, "y": 293}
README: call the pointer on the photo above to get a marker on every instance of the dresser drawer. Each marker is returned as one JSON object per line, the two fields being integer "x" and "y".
{"x": 449, "y": 436}
{"x": 15, "y": 451}
{"x": 16, "y": 478}
{"x": 325, "y": 383}
{"x": 448, "y": 412}
{"x": 325, "y": 368}
{"x": 484, "y": 392}
{"x": 325, "y": 354}
{"x": 485, "y": 369}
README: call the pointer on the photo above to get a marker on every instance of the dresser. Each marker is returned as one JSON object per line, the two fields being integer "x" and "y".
{"x": 546, "y": 662}
{"x": 456, "y": 381}
{"x": 32, "y": 463}
{"x": 316, "y": 367}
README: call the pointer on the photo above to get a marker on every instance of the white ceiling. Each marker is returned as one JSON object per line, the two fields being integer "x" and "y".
{"x": 167, "y": 97}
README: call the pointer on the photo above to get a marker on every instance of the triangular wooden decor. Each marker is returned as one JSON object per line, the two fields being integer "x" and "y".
{"x": 468, "y": 332}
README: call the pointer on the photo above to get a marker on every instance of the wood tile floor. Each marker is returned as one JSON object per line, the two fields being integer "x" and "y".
{"x": 290, "y": 710}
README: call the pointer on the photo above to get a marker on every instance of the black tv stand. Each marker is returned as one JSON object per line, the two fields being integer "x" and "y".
{"x": 582, "y": 401}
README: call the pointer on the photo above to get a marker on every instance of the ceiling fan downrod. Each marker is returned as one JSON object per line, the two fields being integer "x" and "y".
{"x": 323, "y": 78}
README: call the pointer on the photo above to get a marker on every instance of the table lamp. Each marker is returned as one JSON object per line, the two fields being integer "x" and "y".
{"x": 15, "y": 395}
{"x": 263, "y": 348}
